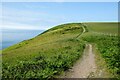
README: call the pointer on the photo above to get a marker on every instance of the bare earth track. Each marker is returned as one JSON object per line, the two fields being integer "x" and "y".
{"x": 84, "y": 67}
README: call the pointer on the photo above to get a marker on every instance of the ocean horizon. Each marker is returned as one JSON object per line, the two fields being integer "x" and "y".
{"x": 11, "y": 37}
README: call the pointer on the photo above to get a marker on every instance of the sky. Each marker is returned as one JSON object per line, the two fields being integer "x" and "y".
{"x": 44, "y": 15}
{"x": 60, "y": 0}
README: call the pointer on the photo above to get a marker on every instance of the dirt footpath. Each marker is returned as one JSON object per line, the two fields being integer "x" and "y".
{"x": 84, "y": 67}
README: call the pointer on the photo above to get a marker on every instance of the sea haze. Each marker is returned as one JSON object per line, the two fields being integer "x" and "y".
{"x": 11, "y": 37}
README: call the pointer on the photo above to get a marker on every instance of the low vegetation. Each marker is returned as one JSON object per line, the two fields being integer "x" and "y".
{"x": 103, "y": 27}
{"x": 44, "y": 56}
{"x": 57, "y": 49}
{"x": 109, "y": 49}
{"x": 44, "y": 66}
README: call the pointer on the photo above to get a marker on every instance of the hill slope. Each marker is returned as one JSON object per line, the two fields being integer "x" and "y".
{"x": 46, "y": 41}
{"x": 103, "y": 27}
{"x": 51, "y": 52}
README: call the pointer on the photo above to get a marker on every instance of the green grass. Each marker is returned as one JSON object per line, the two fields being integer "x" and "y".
{"x": 51, "y": 52}
{"x": 58, "y": 57}
{"x": 101, "y": 64}
{"x": 103, "y": 27}
{"x": 26, "y": 50}
{"x": 108, "y": 46}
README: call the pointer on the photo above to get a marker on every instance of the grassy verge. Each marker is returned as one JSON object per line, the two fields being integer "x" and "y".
{"x": 102, "y": 70}
{"x": 108, "y": 48}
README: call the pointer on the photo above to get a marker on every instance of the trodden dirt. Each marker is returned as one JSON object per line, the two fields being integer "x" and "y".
{"x": 84, "y": 67}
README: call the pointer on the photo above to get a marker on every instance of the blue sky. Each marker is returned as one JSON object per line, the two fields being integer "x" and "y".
{"x": 44, "y": 15}
{"x": 60, "y": 0}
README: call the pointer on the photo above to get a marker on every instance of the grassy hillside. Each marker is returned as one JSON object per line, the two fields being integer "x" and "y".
{"x": 47, "y": 41}
{"x": 103, "y": 27}
{"x": 107, "y": 45}
{"x": 51, "y": 52}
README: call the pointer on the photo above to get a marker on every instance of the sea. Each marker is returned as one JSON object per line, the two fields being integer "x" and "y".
{"x": 11, "y": 37}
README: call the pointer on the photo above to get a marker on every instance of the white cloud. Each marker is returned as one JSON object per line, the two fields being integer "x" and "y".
{"x": 20, "y": 12}
{"x": 14, "y": 18}
{"x": 22, "y": 26}
{"x": 30, "y": 17}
